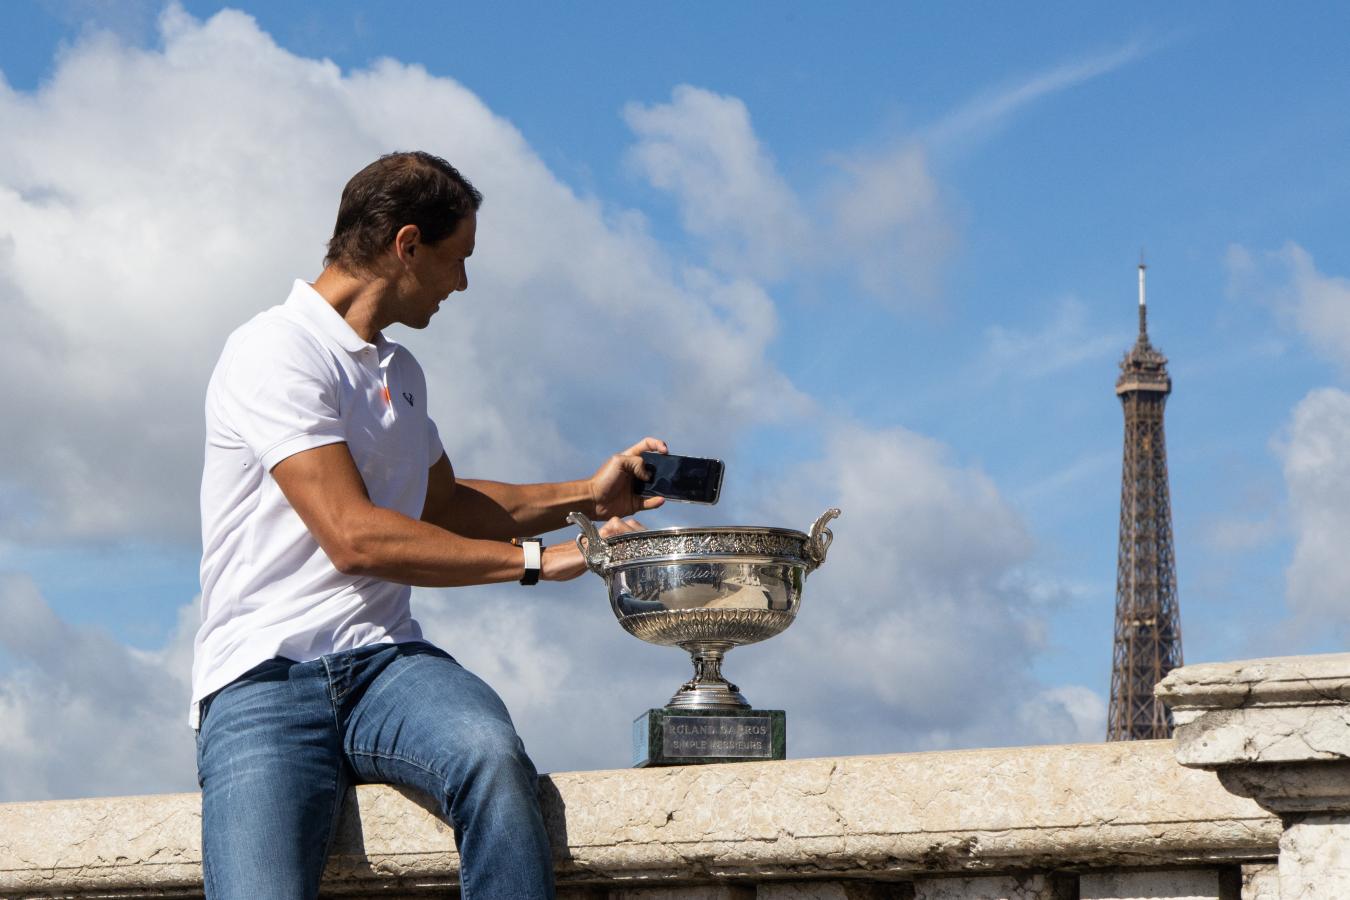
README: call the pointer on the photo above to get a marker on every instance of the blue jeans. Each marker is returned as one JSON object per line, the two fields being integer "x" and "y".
{"x": 278, "y": 747}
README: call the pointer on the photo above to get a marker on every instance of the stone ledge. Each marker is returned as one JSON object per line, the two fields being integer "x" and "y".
{"x": 1278, "y": 731}
{"x": 1287, "y": 710}
{"x": 1281, "y": 680}
{"x": 881, "y": 817}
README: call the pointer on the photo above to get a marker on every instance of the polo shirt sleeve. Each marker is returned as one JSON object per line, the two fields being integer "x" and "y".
{"x": 280, "y": 395}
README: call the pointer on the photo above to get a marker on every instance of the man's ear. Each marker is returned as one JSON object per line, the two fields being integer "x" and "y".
{"x": 406, "y": 241}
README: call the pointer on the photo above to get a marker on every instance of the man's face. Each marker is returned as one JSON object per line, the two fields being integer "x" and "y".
{"x": 436, "y": 271}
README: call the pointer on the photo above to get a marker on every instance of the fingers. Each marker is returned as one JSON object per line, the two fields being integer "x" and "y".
{"x": 620, "y": 526}
{"x": 632, "y": 465}
{"x": 653, "y": 502}
{"x": 655, "y": 445}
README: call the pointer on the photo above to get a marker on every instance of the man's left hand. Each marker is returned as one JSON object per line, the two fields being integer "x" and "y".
{"x": 613, "y": 486}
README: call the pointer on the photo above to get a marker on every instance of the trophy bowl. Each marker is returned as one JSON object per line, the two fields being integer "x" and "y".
{"x": 706, "y": 590}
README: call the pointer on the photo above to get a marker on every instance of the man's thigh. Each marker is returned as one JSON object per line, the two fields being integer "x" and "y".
{"x": 427, "y": 722}
{"x": 270, "y": 764}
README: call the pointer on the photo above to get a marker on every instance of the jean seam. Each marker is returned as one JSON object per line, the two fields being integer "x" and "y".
{"x": 333, "y": 819}
{"x": 397, "y": 757}
{"x": 208, "y": 881}
{"x": 208, "y": 875}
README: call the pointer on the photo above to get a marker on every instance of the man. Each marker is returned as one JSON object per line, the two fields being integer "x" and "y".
{"x": 325, "y": 495}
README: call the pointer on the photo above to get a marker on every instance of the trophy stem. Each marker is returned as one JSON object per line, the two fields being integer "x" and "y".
{"x": 708, "y": 689}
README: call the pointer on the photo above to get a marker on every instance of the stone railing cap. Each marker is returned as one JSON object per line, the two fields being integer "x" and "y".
{"x": 1280, "y": 681}
{"x": 888, "y": 817}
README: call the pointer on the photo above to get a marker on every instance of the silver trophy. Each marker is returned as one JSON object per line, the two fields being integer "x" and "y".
{"x": 706, "y": 590}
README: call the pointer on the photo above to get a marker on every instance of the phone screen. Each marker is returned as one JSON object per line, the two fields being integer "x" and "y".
{"x": 692, "y": 479}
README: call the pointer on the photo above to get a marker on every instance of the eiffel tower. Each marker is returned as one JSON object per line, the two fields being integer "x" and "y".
{"x": 1148, "y": 619}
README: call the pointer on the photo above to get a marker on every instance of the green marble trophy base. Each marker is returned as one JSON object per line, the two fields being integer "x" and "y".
{"x": 681, "y": 737}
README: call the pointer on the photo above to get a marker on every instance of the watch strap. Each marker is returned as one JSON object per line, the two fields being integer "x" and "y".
{"x": 534, "y": 559}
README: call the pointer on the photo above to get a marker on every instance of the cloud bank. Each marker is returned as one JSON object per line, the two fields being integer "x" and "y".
{"x": 152, "y": 199}
{"x": 879, "y": 221}
{"x": 1312, "y": 446}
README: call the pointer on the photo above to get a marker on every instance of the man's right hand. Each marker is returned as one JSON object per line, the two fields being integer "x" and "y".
{"x": 563, "y": 562}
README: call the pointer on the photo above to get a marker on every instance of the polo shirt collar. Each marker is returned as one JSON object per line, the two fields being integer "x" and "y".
{"x": 319, "y": 315}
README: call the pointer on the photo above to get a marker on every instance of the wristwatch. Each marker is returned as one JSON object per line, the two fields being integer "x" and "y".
{"x": 534, "y": 557}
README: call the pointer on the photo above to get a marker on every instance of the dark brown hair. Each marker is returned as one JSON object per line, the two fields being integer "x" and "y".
{"x": 398, "y": 189}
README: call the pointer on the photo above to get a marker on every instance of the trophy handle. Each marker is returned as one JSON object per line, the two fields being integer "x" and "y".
{"x": 821, "y": 538}
{"x": 594, "y": 549}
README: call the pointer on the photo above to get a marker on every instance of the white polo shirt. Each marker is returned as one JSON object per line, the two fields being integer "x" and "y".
{"x": 291, "y": 379}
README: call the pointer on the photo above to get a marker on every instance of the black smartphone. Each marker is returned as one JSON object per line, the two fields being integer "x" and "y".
{"x": 691, "y": 479}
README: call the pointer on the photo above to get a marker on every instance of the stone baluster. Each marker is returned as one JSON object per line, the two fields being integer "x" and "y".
{"x": 1277, "y": 731}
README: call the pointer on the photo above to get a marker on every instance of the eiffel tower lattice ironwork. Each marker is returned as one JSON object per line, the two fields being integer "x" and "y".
{"x": 1148, "y": 619}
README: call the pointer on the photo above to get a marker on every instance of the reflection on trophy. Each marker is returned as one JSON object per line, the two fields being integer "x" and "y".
{"x": 706, "y": 590}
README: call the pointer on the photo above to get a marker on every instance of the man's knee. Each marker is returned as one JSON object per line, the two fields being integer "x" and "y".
{"x": 492, "y": 754}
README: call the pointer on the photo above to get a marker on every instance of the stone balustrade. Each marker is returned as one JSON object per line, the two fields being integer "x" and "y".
{"x": 1278, "y": 731}
{"x": 1082, "y": 822}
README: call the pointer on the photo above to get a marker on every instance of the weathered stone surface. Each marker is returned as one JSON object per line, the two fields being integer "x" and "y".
{"x": 1289, "y": 709}
{"x": 107, "y": 842}
{"x": 1287, "y": 788}
{"x": 1261, "y": 881}
{"x": 695, "y": 892}
{"x": 834, "y": 890}
{"x": 1183, "y": 884}
{"x": 1315, "y": 859}
{"x": 874, "y": 818}
{"x": 992, "y": 810}
{"x": 1278, "y": 730}
{"x": 1000, "y": 887}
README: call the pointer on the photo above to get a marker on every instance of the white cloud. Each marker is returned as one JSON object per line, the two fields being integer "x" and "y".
{"x": 126, "y": 266}
{"x": 988, "y": 110}
{"x": 1320, "y": 305}
{"x": 1313, "y": 443}
{"x": 1317, "y": 473}
{"x": 701, "y": 148}
{"x": 1316, "y": 305}
{"x": 1237, "y": 534}
{"x": 880, "y": 219}
{"x": 123, "y": 268}
{"x": 85, "y": 715}
{"x": 891, "y": 227}
{"x": 1067, "y": 714}
{"x": 1066, "y": 341}
{"x": 571, "y": 677}
{"x": 918, "y": 632}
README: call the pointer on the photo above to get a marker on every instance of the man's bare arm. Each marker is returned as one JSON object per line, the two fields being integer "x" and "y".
{"x": 325, "y": 489}
{"x": 496, "y": 510}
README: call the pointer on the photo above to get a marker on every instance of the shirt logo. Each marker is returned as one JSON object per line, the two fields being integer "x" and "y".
{"x": 409, "y": 397}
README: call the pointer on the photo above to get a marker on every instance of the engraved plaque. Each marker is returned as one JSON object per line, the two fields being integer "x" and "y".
{"x": 745, "y": 737}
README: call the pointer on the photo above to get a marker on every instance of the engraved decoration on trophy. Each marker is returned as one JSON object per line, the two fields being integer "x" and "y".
{"x": 706, "y": 590}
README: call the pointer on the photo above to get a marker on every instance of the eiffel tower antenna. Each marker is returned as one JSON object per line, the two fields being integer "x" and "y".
{"x": 1143, "y": 307}
{"x": 1147, "y": 643}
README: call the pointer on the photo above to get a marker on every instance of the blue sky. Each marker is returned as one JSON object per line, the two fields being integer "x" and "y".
{"x": 882, "y": 251}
